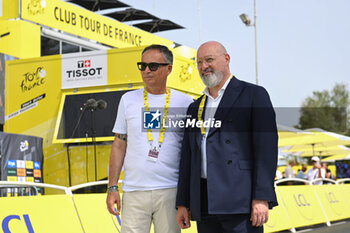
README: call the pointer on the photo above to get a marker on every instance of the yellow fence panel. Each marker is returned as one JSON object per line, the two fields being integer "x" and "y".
{"x": 94, "y": 215}
{"x": 333, "y": 201}
{"x": 302, "y": 205}
{"x": 96, "y": 218}
{"x": 299, "y": 206}
{"x": 278, "y": 218}
{"x": 39, "y": 214}
{"x": 346, "y": 192}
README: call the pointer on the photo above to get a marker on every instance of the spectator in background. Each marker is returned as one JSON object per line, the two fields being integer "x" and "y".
{"x": 301, "y": 173}
{"x": 316, "y": 171}
{"x": 283, "y": 174}
{"x": 290, "y": 173}
{"x": 278, "y": 175}
{"x": 328, "y": 173}
{"x": 341, "y": 169}
{"x": 347, "y": 172}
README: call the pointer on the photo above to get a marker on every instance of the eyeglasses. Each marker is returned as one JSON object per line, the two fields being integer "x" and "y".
{"x": 208, "y": 60}
{"x": 153, "y": 66}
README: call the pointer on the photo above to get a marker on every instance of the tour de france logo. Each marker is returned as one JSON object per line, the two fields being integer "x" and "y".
{"x": 24, "y": 146}
{"x": 33, "y": 80}
{"x": 152, "y": 119}
{"x": 185, "y": 72}
{"x": 35, "y": 7}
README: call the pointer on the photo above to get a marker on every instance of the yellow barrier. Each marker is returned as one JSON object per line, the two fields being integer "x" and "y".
{"x": 333, "y": 201}
{"x": 278, "y": 218}
{"x": 39, "y": 214}
{"x": 299, "y": 206}
{"x": 302, "y": 205}
{"x": 346, "y": 192}
{"x": 94, "y": 215}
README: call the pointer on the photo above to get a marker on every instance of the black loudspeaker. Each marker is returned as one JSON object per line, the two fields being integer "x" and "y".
{"x": 98, "y": 116}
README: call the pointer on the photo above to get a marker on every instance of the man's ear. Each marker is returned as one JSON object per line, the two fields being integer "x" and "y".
{"x": 170, "y": 68}
{"x": 227, "y": 58}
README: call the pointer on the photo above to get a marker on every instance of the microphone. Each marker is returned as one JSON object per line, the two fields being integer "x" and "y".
{"x": 91, "y": 104}
{"x": 101, "y": 104}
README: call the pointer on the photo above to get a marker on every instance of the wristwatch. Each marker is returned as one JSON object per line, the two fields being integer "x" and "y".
{"x": 112, "y": 188}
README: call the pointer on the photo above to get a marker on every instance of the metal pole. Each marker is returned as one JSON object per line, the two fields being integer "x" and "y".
{"x": 200, "y": 21}
{"x": 256, "y": 45}
{"x": 154, "y": 7}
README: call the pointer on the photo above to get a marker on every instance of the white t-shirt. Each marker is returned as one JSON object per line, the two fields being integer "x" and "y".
{"x": 140, "y": 173}
{"x": 312, "y": 174}
{"x": 278, "y": 175}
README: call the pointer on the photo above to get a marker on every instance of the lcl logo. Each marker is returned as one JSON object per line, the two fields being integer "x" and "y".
{"x": 6, "y": 221}
{"x": 331, "y": 198}
{"x": 301, "y": 200}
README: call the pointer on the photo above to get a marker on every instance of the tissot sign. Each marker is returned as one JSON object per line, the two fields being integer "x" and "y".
{"x": 84, "y": 71}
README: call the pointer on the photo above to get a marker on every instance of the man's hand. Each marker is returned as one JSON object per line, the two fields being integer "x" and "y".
{"x": 260, "y": 213}
{"x": 112, "y": 199}
{"x": 183, "y": 217}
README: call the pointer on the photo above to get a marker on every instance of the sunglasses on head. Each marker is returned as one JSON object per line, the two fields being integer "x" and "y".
{"x": 153, "y": 66}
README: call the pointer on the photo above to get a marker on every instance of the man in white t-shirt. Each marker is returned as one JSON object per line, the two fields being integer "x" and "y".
{"x": 316, "y": 171}
{"x": 150, "y": 157}
{"x": 290, "y": 173}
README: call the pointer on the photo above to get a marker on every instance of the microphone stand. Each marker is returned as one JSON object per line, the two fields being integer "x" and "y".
{"x": 93, "y": 139}
{"x": 79, "y": 119}
{"x": 87, "y": 156}
{"x": 100, "y": 105}
{"x": 68, "y": 156}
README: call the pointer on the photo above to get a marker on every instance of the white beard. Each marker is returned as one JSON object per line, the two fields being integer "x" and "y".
{"x": 212, "y": 80}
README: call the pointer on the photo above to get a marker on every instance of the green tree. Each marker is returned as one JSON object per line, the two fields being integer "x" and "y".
{"x": 327, "y": 110}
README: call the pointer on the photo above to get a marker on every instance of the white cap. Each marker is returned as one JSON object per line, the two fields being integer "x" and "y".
{"x": 315, "y": 158}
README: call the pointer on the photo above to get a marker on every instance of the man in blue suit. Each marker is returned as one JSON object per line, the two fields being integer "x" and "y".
{"x": 227, "y": 171}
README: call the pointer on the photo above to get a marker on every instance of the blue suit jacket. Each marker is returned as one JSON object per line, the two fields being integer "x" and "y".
{"x": 241, "y": 154}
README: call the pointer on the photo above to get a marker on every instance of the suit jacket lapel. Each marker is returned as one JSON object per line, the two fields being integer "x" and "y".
{"x": 198, "y": 134}
{"x": 230, "y": 96}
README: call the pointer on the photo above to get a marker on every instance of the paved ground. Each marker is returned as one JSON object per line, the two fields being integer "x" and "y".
{"x": 337, "y": 227}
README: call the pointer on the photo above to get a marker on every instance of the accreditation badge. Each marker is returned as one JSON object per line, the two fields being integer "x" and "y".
{"x": 153, "y": 154}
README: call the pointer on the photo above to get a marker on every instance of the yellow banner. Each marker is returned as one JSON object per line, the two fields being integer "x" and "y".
{"x": 333, "y": 201}
{"x": 346, "y": 192}
{"x": 94, "y": 214}
{"x": 39, "y": 214}
{"x": 278, "y": 218}
{"x": 78, "y": 21}
{"x": 32, "y": 89}
{"x": 302, "y": 205}
{"x": 95, "y": 217}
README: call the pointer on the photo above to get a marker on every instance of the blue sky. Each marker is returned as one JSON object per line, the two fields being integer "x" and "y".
{"x": 303, "y": 45}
